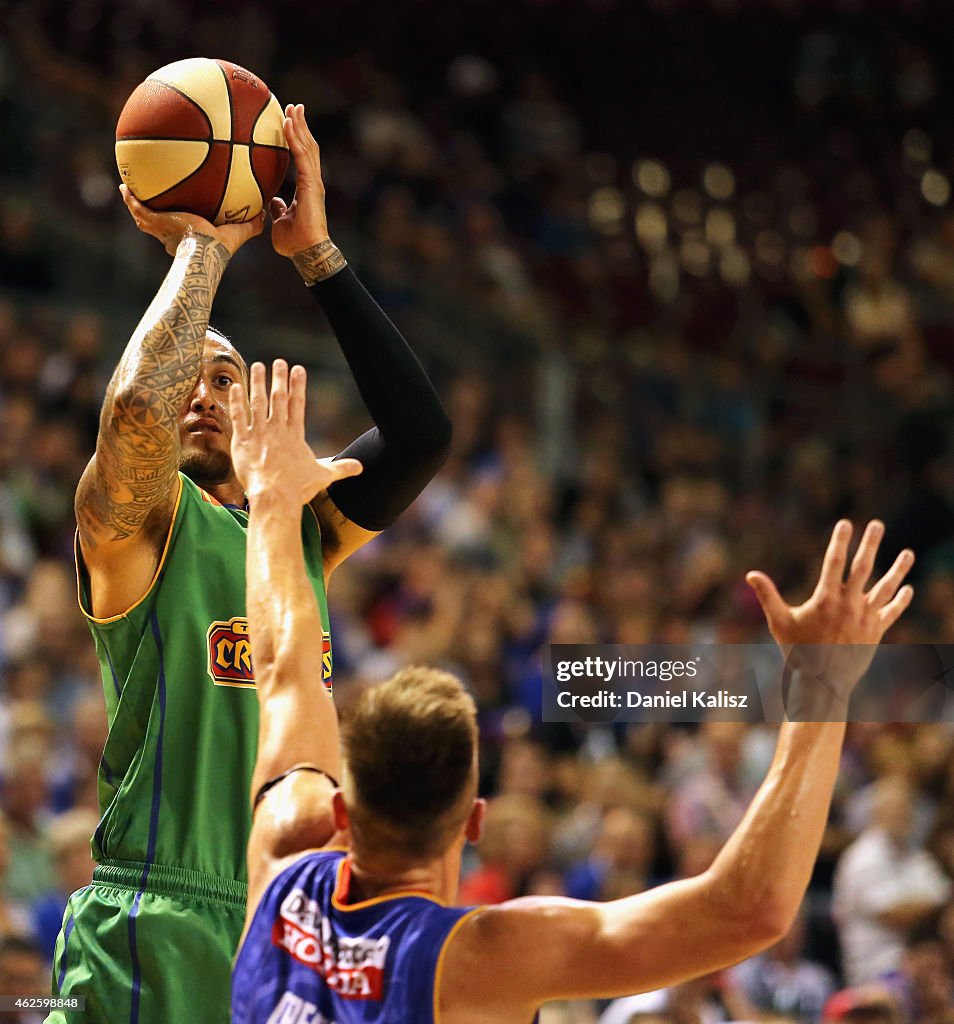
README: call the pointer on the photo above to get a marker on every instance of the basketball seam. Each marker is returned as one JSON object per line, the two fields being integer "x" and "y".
{"x": 182, "y": 138}
{"x": 228, "y": 174}
{"x": 172, "y": 188}
{"x": 258, "y": 117}
{"x": 188, "y": 99}
{"x": 252, "y": 143}
{"x": 163, "y": 138}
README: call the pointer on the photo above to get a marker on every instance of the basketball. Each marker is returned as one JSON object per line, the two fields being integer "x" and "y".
{"x": 204, "y": 136}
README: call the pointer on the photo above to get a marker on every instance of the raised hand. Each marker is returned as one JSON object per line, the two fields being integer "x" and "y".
{"x": 832, "y": 637}
{"x": 269, "y": 451}
{"x": 300, "y": 228}
{"x": 171, "y": 227}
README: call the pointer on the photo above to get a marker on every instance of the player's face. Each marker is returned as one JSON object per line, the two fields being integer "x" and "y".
{"x": 205, "y": 423}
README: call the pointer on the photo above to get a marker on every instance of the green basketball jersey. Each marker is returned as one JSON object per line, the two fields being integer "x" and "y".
{"x": 183, "y": 714}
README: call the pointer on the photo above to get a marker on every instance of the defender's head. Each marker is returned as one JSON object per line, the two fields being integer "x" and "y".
{"x": 410, "y": 781}
{"x": 205, "y": 422}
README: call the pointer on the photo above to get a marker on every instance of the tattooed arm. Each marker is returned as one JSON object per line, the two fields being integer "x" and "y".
{"x": 126, "y": 496}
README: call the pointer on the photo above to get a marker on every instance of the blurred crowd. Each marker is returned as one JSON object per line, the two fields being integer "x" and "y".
{"x": 684, "y": 276}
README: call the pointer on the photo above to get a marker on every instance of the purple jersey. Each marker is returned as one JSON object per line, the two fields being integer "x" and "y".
{"x": 312, "y": 958}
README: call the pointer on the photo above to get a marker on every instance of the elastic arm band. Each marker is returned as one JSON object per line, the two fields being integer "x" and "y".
{"x": 272, "y": 783}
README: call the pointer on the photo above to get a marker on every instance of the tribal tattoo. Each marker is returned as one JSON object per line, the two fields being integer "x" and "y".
{"x": 137, "y": 451}
{"x": 319, "y": 262}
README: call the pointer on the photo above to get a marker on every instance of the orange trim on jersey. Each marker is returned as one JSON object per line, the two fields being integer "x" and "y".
{"x": 436, "y": 1010}
{"x": 205, "y": 496}
{"x": 341, "y": 883}
{"x": 152, "y": 583}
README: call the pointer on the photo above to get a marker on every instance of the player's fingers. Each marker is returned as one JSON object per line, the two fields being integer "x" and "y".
{"x": 305, "y": 131}
{"x": 128, "y": 198}
{"x": 342, "y": 468}
{"x": 257, "y": 396}
{"x": 292, "y": 136}
{"x": 863, "y": 562}
{"x": 297, "y": 392}
{"x": 257, "y": 224}
{"x": 833, "y": 567}
{"x": 892, "y": 611}
{"x": 236, "y": 235}
{"x": 238, "y": 410}
{"x": 303, "y": 145}
{"x": 136, "y": 209}
{"x": 278, "y": 406}
{"x": 886, "y": 587}
{"x": 277, "y": 208}
{"x": 777, "y": 612}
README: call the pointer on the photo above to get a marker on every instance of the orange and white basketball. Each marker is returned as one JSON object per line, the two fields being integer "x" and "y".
{"x": 203, "y": 136}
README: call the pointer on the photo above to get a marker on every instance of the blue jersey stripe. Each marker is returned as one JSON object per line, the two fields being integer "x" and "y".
{"x": 153, "y": 823}
{"x": 67, "y": 930}
{"x": 157, "y": 775}
{"x": 112, "y": 671}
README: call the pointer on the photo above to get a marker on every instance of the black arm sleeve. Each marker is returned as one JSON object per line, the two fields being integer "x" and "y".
{"x": 411, "y": 437}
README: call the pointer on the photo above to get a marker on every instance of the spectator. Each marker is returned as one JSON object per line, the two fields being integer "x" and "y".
{"x": 864, "y": 1004}
{"x": 712, "y": 799}
{"x": 924, "y": 984}
{"x": 783, "y": 981}
{"x": 69, "y": 836}
{"x": 22, "y": 973}
{"x": 884, "y": 886}
{"x": 14, "y": 916}
{"x": 25, "y": 802}
{"x": 621, "y": 859}
{"x": 512, "y": 850}
{"x": 707, "y": 1000}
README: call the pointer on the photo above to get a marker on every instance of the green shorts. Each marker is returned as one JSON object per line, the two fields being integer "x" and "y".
{"x": 155, "y": 954}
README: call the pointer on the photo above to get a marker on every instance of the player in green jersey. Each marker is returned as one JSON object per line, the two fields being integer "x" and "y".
{"x": 162, "y": 523}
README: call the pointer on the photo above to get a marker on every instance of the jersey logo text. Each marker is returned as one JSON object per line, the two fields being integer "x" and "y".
{"x": 292, "y": 1009}
{"x": 353, "y": 968}
{"x": 230, "y": 654}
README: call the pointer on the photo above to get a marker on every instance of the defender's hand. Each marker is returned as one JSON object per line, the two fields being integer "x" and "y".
{"x": 833, "y": 635}
{"x": 302, "y": 224}
{"x": 171, "y": 227}
{"x": 269, "y": 451}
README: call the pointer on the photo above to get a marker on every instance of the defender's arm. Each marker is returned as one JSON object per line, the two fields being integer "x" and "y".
{"x": 742, "y": 904}
{"x": 298, "y": 723}
{"x": 751, "y": 893}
